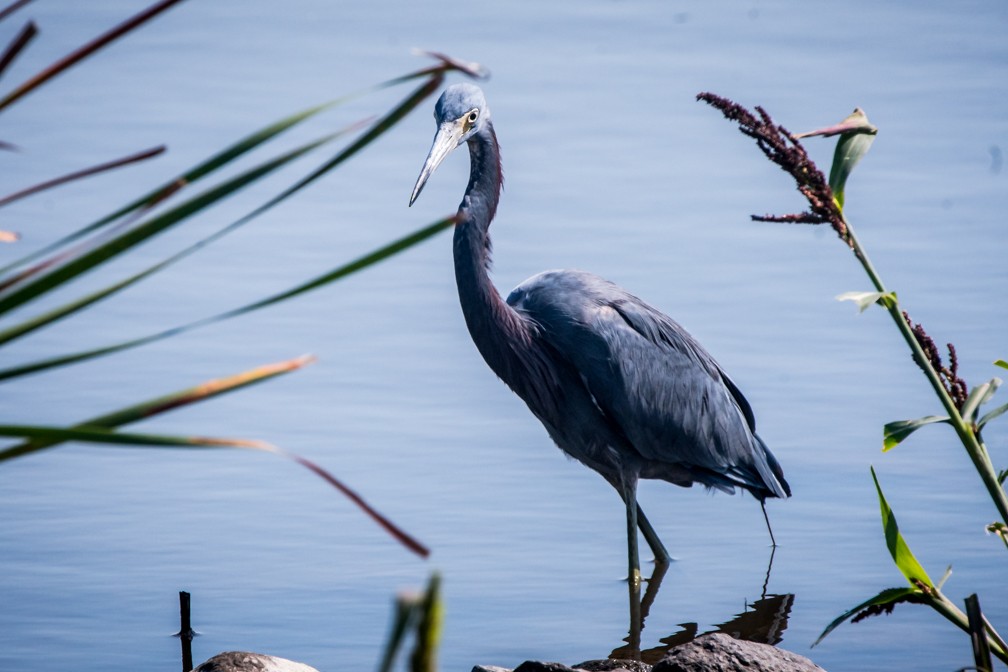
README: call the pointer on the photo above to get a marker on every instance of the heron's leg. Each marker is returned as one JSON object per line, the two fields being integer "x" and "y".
{"x": 773, "y": 542}
{"x": 629, "y": 493}
{"x": 633, "y": 557}
{"x": 662, "y": 557}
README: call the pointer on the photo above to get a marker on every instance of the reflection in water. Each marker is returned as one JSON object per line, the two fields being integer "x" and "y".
{"x": 763, "y": 621}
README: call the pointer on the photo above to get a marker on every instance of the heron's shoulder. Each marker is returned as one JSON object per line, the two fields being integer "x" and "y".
{"x": 565, "y": 287}
{"x": 593, "y": 300}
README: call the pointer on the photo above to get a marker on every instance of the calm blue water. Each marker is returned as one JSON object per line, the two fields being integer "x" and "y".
{"x": 611, "y": 166}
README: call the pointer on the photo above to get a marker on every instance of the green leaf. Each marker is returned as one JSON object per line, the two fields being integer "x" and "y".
{"x": 1000, "y": 410}
{"x": 1002, "y": 363}
{"x": 979, "y": 396}
{"x": 898, "y": 548}
{"x": 852, "y": 145}
{"x": 849, "y": 150}
{"x": 881, "y": 603}
{"x": 865, "y": 299}
{"x": 894, "y": 432}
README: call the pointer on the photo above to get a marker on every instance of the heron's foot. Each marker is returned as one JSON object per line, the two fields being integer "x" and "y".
{"x": 663, "y": 560}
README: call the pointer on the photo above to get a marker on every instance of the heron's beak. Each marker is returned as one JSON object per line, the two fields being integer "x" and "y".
{"x": 447, "y": 139}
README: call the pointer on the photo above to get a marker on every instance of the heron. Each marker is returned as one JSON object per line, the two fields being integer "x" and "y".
{"x": 618, "y": 385}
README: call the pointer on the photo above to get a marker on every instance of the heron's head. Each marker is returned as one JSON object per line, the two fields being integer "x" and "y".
{"x": 461, "y": 112}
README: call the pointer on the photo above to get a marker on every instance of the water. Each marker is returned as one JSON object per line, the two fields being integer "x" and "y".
{"x": 611, "y": 166}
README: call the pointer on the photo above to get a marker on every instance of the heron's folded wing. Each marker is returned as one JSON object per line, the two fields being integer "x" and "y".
{"x": 667, "y": 392}
{"x": 646, "y": 373}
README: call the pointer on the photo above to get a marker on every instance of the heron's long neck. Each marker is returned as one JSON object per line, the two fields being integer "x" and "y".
{"x": 499, "y": 332}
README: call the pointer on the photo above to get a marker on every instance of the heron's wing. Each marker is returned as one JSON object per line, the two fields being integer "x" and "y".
{"x": 648, "y": 375}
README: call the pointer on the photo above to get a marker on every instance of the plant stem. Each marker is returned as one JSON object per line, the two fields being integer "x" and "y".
{"x": 976, "y": 451}
{"x": 946, "y": 608}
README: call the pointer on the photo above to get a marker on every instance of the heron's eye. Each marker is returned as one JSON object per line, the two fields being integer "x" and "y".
{"x": 470, "y": 119}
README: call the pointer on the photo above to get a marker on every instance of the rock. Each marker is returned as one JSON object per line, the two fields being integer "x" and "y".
{"x": 717, "y": 652}
{"x": 588, "y": 666}
{"x": 609, "y": 665}
{"x": 713, "y": 652}
{"x": 245, "y": 661}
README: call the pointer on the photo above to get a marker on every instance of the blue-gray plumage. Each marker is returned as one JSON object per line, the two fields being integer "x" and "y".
{"x": 618, "y": 385}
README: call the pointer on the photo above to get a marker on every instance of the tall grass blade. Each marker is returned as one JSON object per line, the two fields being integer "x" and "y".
{"x": 11, "y": 8}
{"x": 369, "y": 136}
{"x": 354, "y": 266}
{"x": 101, "y": 429}
{"x": 86, "y": 172}
{"x": 99, "y": 435}
{"x": 44, "y": 319}
{"x": 197, "y": 172}
{"x": 398, "y": 533}
{"x": 445, "y": 65}
{"x": 162, "y": 404}
{"x": 358, "y": 264}
{"x": 140, "y": 233}
{"x": 48, "y": 317}
{"x": 17, "y": 45}
{"x": 435, "y": 75}
{"x": 84, "y": 51}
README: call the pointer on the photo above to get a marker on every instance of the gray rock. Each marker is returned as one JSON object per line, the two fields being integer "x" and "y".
{"x": 245, "y": 661}
{"x": 605, "y": 665}
{"x": 609, "y": 665}
{"x": 717, "y": 652}
{"x": 536, "y": 666}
